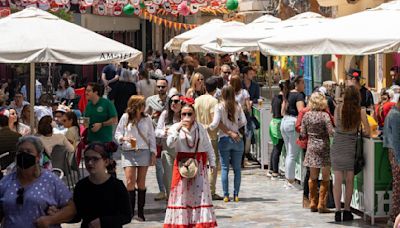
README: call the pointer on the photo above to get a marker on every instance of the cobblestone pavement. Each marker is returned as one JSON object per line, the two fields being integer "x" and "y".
{"x": 263, "y": 203}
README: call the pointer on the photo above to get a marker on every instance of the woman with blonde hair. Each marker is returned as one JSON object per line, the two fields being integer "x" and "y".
{"x": 348, "y": 119}
{"x": 197, "y": 87}
{"x": 317, "y": 127}
{"x": 135, "y": 133}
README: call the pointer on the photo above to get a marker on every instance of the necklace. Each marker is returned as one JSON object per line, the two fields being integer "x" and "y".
{"x": 187, "y": 141}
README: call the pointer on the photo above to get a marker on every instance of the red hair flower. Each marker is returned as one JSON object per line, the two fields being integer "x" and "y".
{"x": 355, "y": 74}
{"x": 187, "y": 100}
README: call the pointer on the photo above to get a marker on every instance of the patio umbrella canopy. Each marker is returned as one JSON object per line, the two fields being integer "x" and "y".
{"x": 175, "y": 43}
{"x": 33, "y": 35}
{"x": 369, "y": 32}
{"x": 248, "y": 36}
{"x": 208, "y": 36}
{"x": 260, "y": 29}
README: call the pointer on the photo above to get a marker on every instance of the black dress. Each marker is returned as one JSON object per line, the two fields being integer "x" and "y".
{"x": 108, "y": 201}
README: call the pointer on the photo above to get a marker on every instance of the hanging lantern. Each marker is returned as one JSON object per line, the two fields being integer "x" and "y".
{"x": 167, "y": 6}
{"x": 338, "y": 56}
{"x": 128, "y": 9}
{"x": 44, "y": 5}
{"x": 138, "y": 10}
{"x": 101, "y": 9}
{"x": 157, "y": 2}
{"x": 117, "y": 10}
{"x": 183, "y": 9}
{"x": 232, "y": 4}
{"x": 194, "y": 8}
{"x": 330, "y": 65}
{"x": 177, "y": 1}
{"x": 152, "y": 9}
{"x": 82, "y": 8}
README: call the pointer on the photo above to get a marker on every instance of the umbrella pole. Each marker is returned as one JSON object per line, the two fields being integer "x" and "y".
{"x": 32, "y": 94}
{"x": 269, "y": 76}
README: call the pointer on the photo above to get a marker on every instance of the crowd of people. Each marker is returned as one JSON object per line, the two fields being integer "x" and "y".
{"x": 189, "y": 118}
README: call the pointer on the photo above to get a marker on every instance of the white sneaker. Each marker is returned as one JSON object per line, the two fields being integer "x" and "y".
{"x": 289, "y": 186}
{"x": 269, "y": 174}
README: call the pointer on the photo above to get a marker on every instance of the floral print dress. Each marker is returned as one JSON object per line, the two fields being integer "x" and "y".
{"x": 317, "y": 126}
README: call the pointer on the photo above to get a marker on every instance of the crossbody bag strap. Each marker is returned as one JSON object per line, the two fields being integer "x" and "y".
{"x": 142, "y": 136}
{"x": 198, "y": 141}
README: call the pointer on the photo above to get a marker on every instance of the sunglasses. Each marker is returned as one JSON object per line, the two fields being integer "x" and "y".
{"x": 93, "y": 159}
{"x": 226, "y": 72}
{"x": 20, "y": 196}
{"x": 176, "y": 101}
{"x": 187, "y": 114}
{"x": 200, "y": 79}
{"x": 161, "y": 87}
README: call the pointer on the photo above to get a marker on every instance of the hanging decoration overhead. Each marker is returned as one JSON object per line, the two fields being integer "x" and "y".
{"x": 131, "y": 7}
{"x": 167, "y": 23}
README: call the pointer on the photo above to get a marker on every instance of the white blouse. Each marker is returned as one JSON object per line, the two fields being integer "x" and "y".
{"x": 160, "y": 129}
{"x": 220, "y": 115}
{"x": 146, "y": 128}
{"x": 177, "y": 140}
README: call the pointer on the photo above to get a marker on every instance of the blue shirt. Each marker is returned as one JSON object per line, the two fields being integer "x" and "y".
{"x": 391, "y": 132}
{"x": 47, "y": 190}
{"x": 254, "y": 91}
{"x": 110, "y": 71}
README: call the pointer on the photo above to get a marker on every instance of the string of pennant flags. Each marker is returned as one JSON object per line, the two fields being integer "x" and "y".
{"x": 167, "y": 23}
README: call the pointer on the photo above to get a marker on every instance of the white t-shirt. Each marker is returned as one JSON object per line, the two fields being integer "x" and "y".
{"x": 241, "y": 97}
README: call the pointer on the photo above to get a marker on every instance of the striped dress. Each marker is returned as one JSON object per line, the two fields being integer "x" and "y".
{"x": 343, "y": 148}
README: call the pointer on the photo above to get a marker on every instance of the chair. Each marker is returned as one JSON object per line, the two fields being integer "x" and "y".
{"x": 60, "y": 161}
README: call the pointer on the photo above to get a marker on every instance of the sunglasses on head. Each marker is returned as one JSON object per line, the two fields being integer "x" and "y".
{"x": 187, "y": 114}
{"x": 20, "y": 196}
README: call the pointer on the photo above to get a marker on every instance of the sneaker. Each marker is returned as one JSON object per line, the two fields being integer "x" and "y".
{"x": 289, "y": 186}
{"x": 277, "y": 177}
{"x": 226, "y": 199}
{"x": 160, "y": 196}
{"x": 269, "y": 174}
{"x": 217, "y": 197}
{"x": 236, "y": 199}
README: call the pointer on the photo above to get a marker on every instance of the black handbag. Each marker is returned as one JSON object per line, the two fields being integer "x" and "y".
{"x": 359, "y": 161}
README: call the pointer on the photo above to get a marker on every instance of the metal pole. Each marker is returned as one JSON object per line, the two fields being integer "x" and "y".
{"x": 269, "y": 76}
{"x": 32, "y": 94}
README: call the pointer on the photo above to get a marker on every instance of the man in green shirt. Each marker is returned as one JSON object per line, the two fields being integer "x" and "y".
{"x": 102, "y": 114}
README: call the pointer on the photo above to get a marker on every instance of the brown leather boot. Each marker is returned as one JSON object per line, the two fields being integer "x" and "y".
{"x": 306, "y": 202}
{"x": 313, "y": 186}
{"x": 323, "y": 197}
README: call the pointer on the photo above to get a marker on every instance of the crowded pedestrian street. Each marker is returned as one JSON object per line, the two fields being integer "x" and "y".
{"x": 264, "y": 203}
{"x": 199, "y": 113}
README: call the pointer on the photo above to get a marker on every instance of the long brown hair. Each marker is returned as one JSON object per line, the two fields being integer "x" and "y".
{"x": 228, "y": 99}
{"x": 135, "y": 103}
{"x": 236, "y": 83}
{"x": 176, "y": 81}
{"x": 351, "y": 110}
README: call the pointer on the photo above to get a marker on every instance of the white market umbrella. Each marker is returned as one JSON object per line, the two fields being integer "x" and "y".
{"x": 364, "y": 33}
{"x": 175, "y": 43}
{"x": 248, "y": 36}
{"x": 35, "y": 36}
{"x": 194, "y": 45}
{"x": 255, "y": 32}
{"x": 213, "y": 47}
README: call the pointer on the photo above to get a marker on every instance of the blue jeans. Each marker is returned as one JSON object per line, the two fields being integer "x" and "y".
{"x": 230, "y": 152}
{"x": 289, "y": 136}
{"x": 160, "y": 175}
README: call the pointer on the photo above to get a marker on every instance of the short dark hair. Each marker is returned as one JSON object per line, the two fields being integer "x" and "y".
{"x": 246, "y": 69}
{"x": 44, "y": 127}
{"x": 96, "y": 88}
{"x": 3, "y": 121}
{"x": 211, "y": 65}
{"x": 211, "y": 84}
{"x": 395, "y": 69}
{"x": 162, "y": 79}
